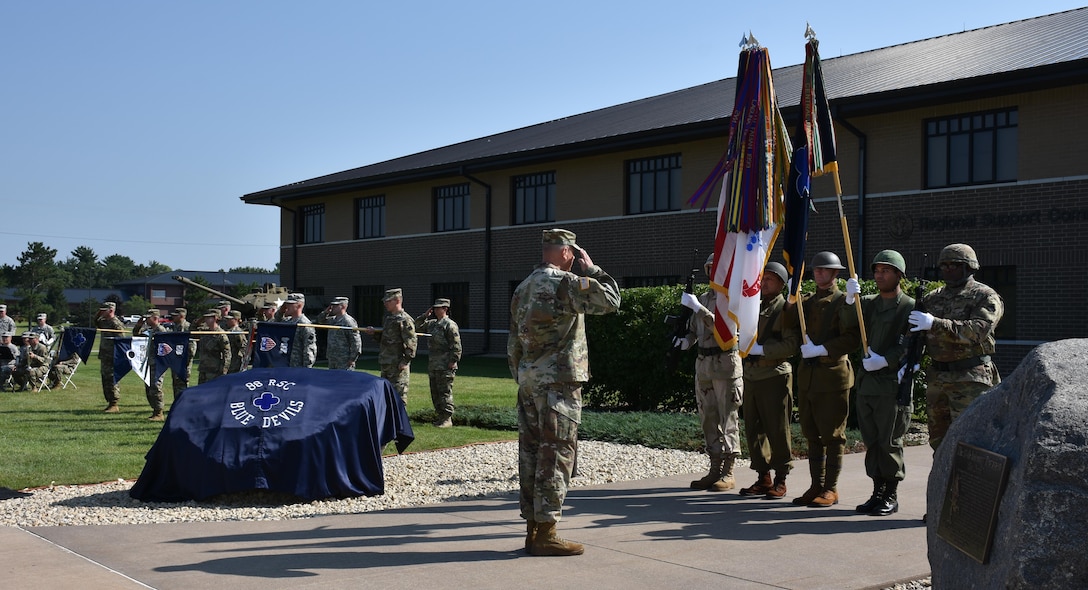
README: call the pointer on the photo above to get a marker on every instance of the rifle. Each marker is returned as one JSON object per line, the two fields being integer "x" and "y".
{"x": 679, "y": 322}
{"x": 916, "y": 346}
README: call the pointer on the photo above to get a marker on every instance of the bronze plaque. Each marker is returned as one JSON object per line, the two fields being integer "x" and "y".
{"x": 975, "y": 486}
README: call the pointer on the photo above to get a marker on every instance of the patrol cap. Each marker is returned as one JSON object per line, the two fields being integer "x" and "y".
{"x": 180, "y": 311}
{"x": 3, "y": 307}
{"x": 29, "y": 334}
{"x": 440, "y": 302}
{"x": 6, "y": 335}
{"x": 269, "y": 305}
{"x": 777, "y": 270}
{"x": 152, "y": 313}
{"x": 223, "y": 303}
{"x": 42, "y": 316}
{"x": 391, "y": 294}
{"x": 234, "y": 313}
{"x": 212, "y": 313}
{"x": 558, "y": 237}
{"x": 295, "y": 298}
{"x": 340, "y": 301}
{"x": 108, "y": 305}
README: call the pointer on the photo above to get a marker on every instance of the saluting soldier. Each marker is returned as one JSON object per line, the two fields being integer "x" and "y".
{"x": 344, "y": 342}
{"x": 214, "y": 349}
{"x": 178, "y": 382}
{"x": 824, "y": 379}
{"x": 444, "y": 352}
{"x": 109, "y": 327}
{"x": 304, "y": 346}
{"x": 149, "y": 326}
{"x": 238, "y": 339}
{"x": 397, "y": 343}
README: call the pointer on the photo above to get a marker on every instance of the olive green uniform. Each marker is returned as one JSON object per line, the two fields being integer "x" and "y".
{"x": 882, "y": 421}
{"x": 768, "y": 385}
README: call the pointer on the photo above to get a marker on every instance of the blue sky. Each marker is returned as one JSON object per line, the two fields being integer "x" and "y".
{"x": 133, "y": 127}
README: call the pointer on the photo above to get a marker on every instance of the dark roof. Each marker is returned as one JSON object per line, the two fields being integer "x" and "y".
{"x": 1031, "y": 53}
{"x": 214, "y": 278}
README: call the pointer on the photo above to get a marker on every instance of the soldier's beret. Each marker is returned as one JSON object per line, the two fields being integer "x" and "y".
{"x": 391, "y": 294}
{"x": 558, "y": 237}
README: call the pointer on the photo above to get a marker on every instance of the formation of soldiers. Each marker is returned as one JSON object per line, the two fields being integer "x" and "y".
{"x": 956, "y": 320}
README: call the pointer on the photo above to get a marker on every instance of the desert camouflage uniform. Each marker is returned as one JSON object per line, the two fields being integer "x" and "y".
{"x": 959, "y": 345}
{"x": 109, "y": 330}
{"x": 549, "y": 359}
{"x": 153, "y": 391}
{"x": 33, "y": 366}
{"x": 718, "y": 383}
{"x": 444, "y": 350}
{"x": 882, "y": 421}
{"x": 344, "y": 345}
{"x": 768, "y": 387}
{"x": 304, "y": 347}
{"x": 214, "y": 356}
{"x": 397, "y": 347}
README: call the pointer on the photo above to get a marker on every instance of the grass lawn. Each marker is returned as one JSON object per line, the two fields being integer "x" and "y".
{"x": 63, "y": 437}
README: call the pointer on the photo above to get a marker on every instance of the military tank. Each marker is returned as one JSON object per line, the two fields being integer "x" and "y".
{"x": 249, "y": 303}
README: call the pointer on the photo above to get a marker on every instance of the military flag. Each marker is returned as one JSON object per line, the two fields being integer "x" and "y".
{"x": 272, "y": 344}
{"x": 170, "y": 351}
{"x": 76, "y": 340}
{"x": 130, "y": 354}
{"x": 750, "y": 204}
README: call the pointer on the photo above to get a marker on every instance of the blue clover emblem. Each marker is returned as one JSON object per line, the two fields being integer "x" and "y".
{"x": 266, "y": 401}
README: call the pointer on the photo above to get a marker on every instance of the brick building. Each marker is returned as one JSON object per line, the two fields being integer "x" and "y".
{"x": 971, "y": 137}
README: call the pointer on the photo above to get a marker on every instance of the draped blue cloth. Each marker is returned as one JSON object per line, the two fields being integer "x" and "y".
{"x": 309, "y": 432}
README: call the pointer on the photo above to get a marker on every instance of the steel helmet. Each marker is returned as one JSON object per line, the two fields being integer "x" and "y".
{"x": 891, "y": 258}
{"x": 777, "y": 270}
{"x": 827, "y": 260}
{"x": 959, "y": 253}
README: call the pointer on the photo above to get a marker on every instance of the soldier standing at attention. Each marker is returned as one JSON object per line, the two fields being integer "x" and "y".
{"x": 824, "y": 379}
{"x": 882, "y": 421}
{"x": 344, "y": 342}
{"x": 46, "y": 334}
{"x": 267, "y": 313}
{"x": 109, "y": 327}
{"x": 444, "y": 352}
{"x": 214, "y": 349}
{"x": 238, "y": 337}
{"x": 719, "y": 390}
{"x": 397, "y": 343}
{"x": 6, "y": 323}
{"x": 549, "y": 359}
{"x": 304, "y": 346}
{"x": 178, "y": 383}
{"x": 959, "y": 320}
{"x": 149, "y": 326}
{"x": 768, "y": 386}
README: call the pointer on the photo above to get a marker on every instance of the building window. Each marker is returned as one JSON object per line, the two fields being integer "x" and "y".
{"x": 534, "y": 198}
{"x": 653, "y": 184}
{"x": 457, "y": 293}
{"x": 971, "y": 149}
{"x": 366, "y": 304}
{"x": 370, "y": 217}
{"x": 158, "y": 294}
{"x": 657, "y": 281}
{"x": 451, "y": 207}
{"x": 313, "y": 224}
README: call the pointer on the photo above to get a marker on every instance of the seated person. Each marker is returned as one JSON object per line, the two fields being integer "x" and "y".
{"x": 62, "y": 369}
{"x": 9, "y": 358}
{"x": 33, "y": 362}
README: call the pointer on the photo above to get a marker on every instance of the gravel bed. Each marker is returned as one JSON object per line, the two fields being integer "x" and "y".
{"x": 413, "y": 479}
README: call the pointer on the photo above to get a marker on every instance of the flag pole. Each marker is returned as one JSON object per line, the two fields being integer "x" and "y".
{"x": 850, "y": 263}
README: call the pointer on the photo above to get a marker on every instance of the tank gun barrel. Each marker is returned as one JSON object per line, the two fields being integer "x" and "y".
{"x": 248, "y": 310}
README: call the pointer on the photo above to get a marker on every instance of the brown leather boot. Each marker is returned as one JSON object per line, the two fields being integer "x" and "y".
{"x": 726, "y": 481}
{"x": 156, "y": 417}
{"x": 530, "y": 534}
{"x": 816, "y": 472}
{"x": 546, "y": 542}
{"x": 111, "y": 408}
{"x": 762, "y": 485}
{"x": 712, "y": 476}
{"x": 778, "y": 489}
{"x": 829, "y": 496}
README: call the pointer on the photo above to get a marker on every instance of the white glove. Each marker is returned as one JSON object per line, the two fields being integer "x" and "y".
{"x": 691, "y": 302}
{"x": 853, "y": 289}
{"x": 903, "y": 372}
{"x": 810, "y": 350}
{"x": 874, "y": 362}
{"x": 920, "y": 320}
{"x": 757, "y": 349}
{"x": 681, "y": 343}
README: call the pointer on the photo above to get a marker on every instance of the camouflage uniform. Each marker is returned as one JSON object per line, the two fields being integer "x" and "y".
{"x": 768, "y": 387}
{"x": 178, "y": 383}
{"x": 549, "y": 359}
{"x": 32, "y": 367}
{"x": 397, "y": 347}
{"x": 959, "y": 345}
{"x": 62, "y": 369}
{"x": 108, "y": 330}
{"x": 154, "y": 390}
{"x": 7, "y": 325}
{"x": 444, "y": 352}
{"x": 304, "y": 347}
{"x": 214, "y": 353}
{"x": 823, "y": 386}
{"x": 9, "y": 358}
{"x": 344, "y": 343}
{"x": 45, "y": 333}
{"x": 238, "y": 339}
{"x": 718, "y": 393}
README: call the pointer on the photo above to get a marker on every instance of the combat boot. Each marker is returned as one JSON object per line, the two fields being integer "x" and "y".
{"x": 546, "y": 542}
{"x": 874, "y": 500}
{"x": 156, "y": 417}
{"x": 778, "y": 489}
{"x": 816, "y": 472}
{"x": 530, "y": 534}
{"x": 726, "y": 481}
{"x": 712, "y": 476}
{"x": 829, "y": 496}
{"x": 111, "y": 408}
{"x": 762, "y": 485}
{"x": 889, "y": 503}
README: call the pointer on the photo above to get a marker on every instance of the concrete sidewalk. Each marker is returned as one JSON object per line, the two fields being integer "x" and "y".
{"x": 643, "y": 534}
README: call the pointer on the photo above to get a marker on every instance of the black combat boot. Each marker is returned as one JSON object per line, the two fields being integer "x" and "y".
{"x": 874, "y": 500}
{"x": 889, "y": 503}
